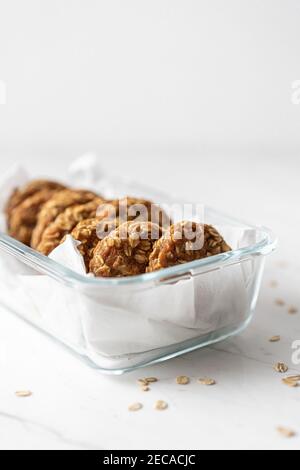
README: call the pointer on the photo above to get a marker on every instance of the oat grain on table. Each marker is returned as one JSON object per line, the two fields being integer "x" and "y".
{"x": 281, "y": 367}
{"x": 182, "y": 380}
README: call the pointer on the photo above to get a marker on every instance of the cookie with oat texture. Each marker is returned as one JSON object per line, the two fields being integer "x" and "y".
{"x": 185, "y": 242}
{"x": 89, "y": 232}
{"x": 126, "y": 250}
{"x": 56, "y": 205}
{"x": 20, "y": 194}
{"x": 129, "y": 208}
{"x": 65, "y": 223}
{"x": 23, "y": 218}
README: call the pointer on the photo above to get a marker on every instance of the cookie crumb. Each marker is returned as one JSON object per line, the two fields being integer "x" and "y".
{"x": 145, "y": 388}
{"x": 280, "y": 302}
{"x": 273, "y": 284}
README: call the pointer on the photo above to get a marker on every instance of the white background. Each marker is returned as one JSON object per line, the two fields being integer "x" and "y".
{"x": 158, "y": 76}
{"x": 192, "y": 97}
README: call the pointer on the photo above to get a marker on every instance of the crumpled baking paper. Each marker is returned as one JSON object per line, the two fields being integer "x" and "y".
{"x": 119, "y": 327}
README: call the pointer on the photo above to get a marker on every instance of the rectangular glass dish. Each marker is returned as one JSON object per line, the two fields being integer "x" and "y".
{"x": 120, "y": 324}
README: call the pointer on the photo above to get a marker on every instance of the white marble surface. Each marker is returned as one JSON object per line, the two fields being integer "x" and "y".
{"x": 75, "y": 407}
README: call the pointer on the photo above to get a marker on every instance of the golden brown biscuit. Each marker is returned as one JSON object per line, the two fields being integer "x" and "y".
{"x": 89, "y": 232}
{"x": 126, "y": 250}
{"x": 109, "y": 216}
{"x": 185, "y": 242}
{"x": 65, "y": 223}
{"x": 20, "y": 194}
{"x": 23, "y": 217}
{"x": 58, "y": 203}
{"x": 130, "y": 208}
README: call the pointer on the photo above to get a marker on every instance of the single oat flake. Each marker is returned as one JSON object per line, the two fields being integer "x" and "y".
{"x": 182, "y": 380}
{"x": 161, "y": 405}
{"x": 207, "y": 381}
{"x": 292, "y": 310}
{"x": 286, "y": 432}
{"x": 275, "y": 339}
{"x": 147, "y": 381}
{"x": 294, "y": 377}
{"x": 281, "y": 367}
{"x": 151, "y": 380}
{"x": 142, "y": 382}
{"x": 23, "y": 393}
{"x": 135, "y": 407}
{"x": 290, "y": 382}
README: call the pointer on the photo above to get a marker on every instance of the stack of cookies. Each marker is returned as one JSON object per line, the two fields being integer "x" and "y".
{"x": 122, "y": 237}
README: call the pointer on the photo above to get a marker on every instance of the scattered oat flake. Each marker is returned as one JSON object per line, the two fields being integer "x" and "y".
{"x": 281, "y": 367}
{"x": 161, "y": 405}
{"x": 293, "y": 310}
{"x": 23, "y": 393}
{"x": 135, "y": 407}
{"x": 280, "y": 302}
{"x": 290, "y": 382}
{"x": 142, "y": 382}
{"x": 182, "y": 380}
{"x": 207, "y": 381}
{"x": 151, "y": 380}
{"x": 294, "y": 377}
{"x": 286, "y": 432}
{"x": 275, "y": 339}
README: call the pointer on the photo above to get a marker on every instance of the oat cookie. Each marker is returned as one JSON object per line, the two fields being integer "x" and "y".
{"x": 109, "y": 216}
{"x": 126, "y": 250}
{"x": 185, "y": 242}
{"x": 128, "y": 209}
{"x": 58, "y": 203}
{"x": 65, "y": 223}
{"x": 23, "y": 218}
{"x": 89, "y": 232}
{"x": 20, "y": 194}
